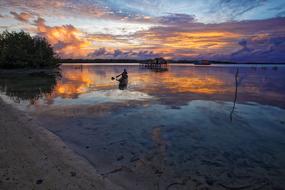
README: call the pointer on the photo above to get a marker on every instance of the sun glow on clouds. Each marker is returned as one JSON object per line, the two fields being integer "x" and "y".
{"x": 145, "y": 29}
{"x": 73, "y": 42}
{"x": 66, "y": 39}
{"x": 170, "y": 43}
{"x": 200, "y": 40}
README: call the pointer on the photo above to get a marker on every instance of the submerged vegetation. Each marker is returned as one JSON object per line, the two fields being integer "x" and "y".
{"x": 21, "y": 50}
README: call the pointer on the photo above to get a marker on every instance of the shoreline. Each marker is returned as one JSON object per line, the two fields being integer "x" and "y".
{"x": 29, "y": 72}
{"x": 57, "y": 71}
{"x": 179, "y": 64}
{"x": 31, "y": 157}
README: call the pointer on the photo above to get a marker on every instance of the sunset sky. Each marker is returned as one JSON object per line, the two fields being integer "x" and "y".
{"x": 229, "y": 30}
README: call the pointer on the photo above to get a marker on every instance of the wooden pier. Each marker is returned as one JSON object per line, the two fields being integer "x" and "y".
{"x": 157, "y": 64}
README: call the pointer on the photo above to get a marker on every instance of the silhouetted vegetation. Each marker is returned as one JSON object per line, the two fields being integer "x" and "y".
{"x": 135, "y": 61}
{"x": 100, "y": 61}
{"x": 195, "y": 61}
{"x": 178, "y": 61}
{"x": 20, "y": 50}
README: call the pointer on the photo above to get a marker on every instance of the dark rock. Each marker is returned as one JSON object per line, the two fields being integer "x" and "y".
{"x": 278, "y": 188}
{"x": 175, "y": 107}
{"x": 158, "y": 172}
{"x": 134, "y": 158}
{"x": 120, "y": 158}
{"x": 39, "y": 181}
{"x": 209, "y": 181}
{"x": 73, "y": 174}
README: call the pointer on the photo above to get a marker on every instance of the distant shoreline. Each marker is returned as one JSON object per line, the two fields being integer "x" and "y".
{"x": 136, "y": 62}
{"x": 133, "y": 61}
{"x": 180, "y": 64}
{"x": 55, "y": 72}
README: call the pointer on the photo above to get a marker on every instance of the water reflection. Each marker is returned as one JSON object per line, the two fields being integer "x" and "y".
{"x": 28, "y": 86}
{"x": 175, "y": 87}
{"x": 163, "y": 68}
{"x": 172, "y": 128}
{"x": 236, "y": 91}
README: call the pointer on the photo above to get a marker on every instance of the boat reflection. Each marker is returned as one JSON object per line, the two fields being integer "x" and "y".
{"x": 123, "y": 85}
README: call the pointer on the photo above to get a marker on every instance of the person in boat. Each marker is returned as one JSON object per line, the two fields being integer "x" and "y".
{"x": 123, "y": 81}
{"x": 124, "y": 75}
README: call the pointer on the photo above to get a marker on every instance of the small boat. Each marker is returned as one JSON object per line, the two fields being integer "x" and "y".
{"x": 123, "y": 84}
{"x": 123, "y": 81}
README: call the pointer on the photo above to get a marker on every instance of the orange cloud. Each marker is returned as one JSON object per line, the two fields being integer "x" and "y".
{"x": 67, "y": 40}
{"x": 194, "y": 41}
{"x": 200, "y": 40}
{"x": 186, "y": 44}
{"x": 71, "y": 42}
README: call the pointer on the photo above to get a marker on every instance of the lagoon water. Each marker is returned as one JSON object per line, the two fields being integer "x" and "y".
{"x": 184, "y": 127}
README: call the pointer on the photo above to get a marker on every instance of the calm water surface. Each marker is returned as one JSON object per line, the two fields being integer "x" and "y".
{"x": 187, "y": 127}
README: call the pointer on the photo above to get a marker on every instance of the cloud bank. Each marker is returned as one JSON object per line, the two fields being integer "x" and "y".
{"x": 228, "y": 30}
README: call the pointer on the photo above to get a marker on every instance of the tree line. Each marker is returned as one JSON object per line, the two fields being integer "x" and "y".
{"x": 21, "y": 50}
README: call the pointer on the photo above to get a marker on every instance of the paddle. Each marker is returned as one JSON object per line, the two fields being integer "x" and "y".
{"x": 114, "y": 78}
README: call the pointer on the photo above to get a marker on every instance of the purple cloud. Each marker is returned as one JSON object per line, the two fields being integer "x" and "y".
{"x": 102, "y": 53}
{"x": 23, "y": 16}
{"x": 177, "y": 19}
{"x": 270, "y": 49}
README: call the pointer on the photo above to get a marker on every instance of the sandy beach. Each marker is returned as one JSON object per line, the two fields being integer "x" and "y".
{"x": 31, "y": 157}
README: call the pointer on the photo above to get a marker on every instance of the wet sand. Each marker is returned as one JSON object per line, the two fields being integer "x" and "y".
{"x": 31, "y": 157}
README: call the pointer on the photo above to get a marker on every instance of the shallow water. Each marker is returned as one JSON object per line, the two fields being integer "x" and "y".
{"x": 187, "y": 127}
